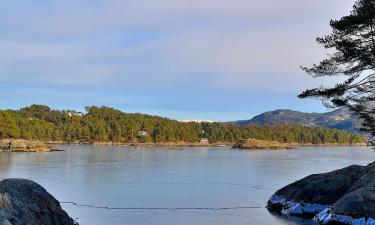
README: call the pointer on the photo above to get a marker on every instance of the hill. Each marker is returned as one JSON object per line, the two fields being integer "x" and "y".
{"x": 104, "y": 124}
{"x": 340, "y": 119}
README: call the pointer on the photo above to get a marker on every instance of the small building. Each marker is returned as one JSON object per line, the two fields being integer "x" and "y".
{"x": 142, "y": 133}
{"x": 74, "y": 113}
{"x": 204, "y": 141}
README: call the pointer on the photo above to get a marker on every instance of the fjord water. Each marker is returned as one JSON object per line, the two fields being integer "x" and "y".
{"x": 184, "y": 186}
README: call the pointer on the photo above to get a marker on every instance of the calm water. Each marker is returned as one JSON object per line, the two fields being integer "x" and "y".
{"x": 200, "y": 186}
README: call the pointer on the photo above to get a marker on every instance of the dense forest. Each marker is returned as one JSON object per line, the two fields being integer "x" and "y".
{"x": 103, "y": 124}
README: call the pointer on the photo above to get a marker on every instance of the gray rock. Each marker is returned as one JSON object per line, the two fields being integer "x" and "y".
{"x": 345, "y": 196}
{"x": 21, "y": 145}
{"x": 359, "y": 201}
{"x": 368, "y": 180}
{"x": 23, "y": 202}
{"x": 5, "y": 144}
{"x": 323, "y": 189}
{"x": 357, "y": 204}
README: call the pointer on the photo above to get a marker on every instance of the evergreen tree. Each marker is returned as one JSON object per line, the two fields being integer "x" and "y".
{"x": 353, "y": 43}
{"x": 8, "y": 126}
{"x": 103, "y": 124}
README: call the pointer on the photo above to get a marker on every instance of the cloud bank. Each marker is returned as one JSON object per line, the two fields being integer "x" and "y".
{"x": 146, "y": 55}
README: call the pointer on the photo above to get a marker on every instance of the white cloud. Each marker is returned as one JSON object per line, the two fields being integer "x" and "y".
{"x": 226, "y": 44}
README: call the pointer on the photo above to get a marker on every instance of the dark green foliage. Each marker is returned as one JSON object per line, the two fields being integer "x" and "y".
{"x": 8, "y": 125}
{"x": 353, "y": 43}
{"x": 103, "y": 124}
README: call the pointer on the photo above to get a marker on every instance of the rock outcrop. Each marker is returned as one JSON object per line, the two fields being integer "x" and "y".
{"x": 345, "y": 196}
{"x": 23, "y": 202}
{"x": 21, "y": 145}
{"x": 260, "y": 144}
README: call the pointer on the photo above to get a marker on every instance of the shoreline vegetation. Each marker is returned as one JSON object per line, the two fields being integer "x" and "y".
{"x": 250, "y": 144}
{"x": 21, "y": 145}
{"x": 261, "y": 144}
{"x": 108, "y": 125}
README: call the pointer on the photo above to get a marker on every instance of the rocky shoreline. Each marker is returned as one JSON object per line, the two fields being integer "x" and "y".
{"x": 343, "y": 197}
{"x": 161, "y": 144}
{"x": 249, "y": 144}
{"x": 21, "y": 145}
{"x": 260, "y": 144}
{"x": 257, "y": 144}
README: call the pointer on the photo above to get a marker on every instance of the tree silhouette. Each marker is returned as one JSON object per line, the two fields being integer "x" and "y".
{"x": 353, "y": 43}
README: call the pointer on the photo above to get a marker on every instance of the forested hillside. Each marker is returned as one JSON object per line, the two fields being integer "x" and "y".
{"x": 341, "y": 119}
{"x": 103, "y": 124}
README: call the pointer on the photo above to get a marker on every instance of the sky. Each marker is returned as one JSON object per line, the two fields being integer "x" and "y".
{"x": 184, "y": 59}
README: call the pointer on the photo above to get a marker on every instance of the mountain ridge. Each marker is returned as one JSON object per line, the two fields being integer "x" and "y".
{"x": 341, "y": 119}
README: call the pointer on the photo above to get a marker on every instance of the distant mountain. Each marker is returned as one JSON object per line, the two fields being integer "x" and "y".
{"x": 341, "y": 119}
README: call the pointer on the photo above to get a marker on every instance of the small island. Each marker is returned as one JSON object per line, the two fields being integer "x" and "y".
{"x": 22, "y": 145}
{"x": 260, "y": 144}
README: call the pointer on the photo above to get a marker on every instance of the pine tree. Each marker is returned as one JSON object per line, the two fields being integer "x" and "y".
{"x": 353, "y": 43}
{"x": 8, "y": 125}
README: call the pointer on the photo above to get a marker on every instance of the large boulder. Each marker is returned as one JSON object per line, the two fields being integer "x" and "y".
{"x": 345, "y": 196}
{"x": 357, "y": 204}
{"x": 23, "y": 202}
{"x": 314, "y": 193}
{"x": 21, "y": 145}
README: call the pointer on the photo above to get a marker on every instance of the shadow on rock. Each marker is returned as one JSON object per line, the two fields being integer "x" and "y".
{"x": 24, "y": 202}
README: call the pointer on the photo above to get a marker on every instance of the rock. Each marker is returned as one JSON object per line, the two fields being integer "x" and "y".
{"x": 23, "y": 202}
{"x": 21, "y": 145}
{"x": 345, "y": 196}
{"x": 260, "y": 144}
{"x": 358, "y": 203}
{"x": 370, "y": 222}
{"x": 322, "y": 189}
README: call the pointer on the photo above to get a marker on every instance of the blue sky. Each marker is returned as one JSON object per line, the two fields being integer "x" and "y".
{"x": 184, "y": 59}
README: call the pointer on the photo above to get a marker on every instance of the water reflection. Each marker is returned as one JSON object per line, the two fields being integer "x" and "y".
{"x": 158, "y": 186}
{"x": 5, "y": 163}
{"x": 292, "y": 220}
